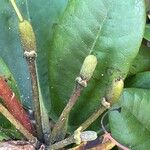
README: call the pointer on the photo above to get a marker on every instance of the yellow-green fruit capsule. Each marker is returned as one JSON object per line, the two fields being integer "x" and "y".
{"x": 27, "y": 36}
{"x": 115, "y": 91}
{"x": 88, "y": 67}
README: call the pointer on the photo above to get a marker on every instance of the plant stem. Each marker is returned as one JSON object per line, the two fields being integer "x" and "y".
{"x": 45, "y": 120}
{"x": 86, "y": 73}
{"x": 93, "y": 117}
{"x": 63, "y": 143}
{"x": 78, "y": 137}
{"x": 79, "y": 147}
{"x": 17, "y": 10}
{"x": 104, "y": 146}
{"x": 35, "y": 91}
{"x": 59, "y": 126}
{"x": 28, "y": 42}
{"x": 14, "y": 106}
{"x": 17, "y": 124}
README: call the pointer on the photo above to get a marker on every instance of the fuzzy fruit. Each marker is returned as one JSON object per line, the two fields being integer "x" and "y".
{"x": 88, "y": 67}
{"x": 114, "y": 92}
{"x": 27, "y": 36}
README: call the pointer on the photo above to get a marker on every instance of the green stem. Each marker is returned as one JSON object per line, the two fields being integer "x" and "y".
{"x": 17, "y": 10}
{"x": 35, "y": 91}
{"x": 63, "y": 143}
{"x": 17, "y": 124}
{"x": 93, "y": 117}
{"x": 60, "y": 124}
{"x": 28, "y": 40}
{"x": 78, "y": 137}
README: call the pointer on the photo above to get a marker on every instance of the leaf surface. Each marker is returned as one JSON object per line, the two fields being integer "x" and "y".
{"x": 140, "y": 80}
{"x": 142, "y": 62}
{"x": 43, "y": 16}
{"x": 107, "y": 29}
{"x": 131, "y": 126}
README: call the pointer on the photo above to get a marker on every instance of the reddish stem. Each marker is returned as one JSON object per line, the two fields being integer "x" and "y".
{"x": 14, "y": 106}
{"x": 107, "y": 136}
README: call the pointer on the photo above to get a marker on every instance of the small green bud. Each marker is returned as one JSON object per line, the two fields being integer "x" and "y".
{"x": 115, "y": 91}
{"x": 88, "y": 67}
{"x": 27, "y": 36}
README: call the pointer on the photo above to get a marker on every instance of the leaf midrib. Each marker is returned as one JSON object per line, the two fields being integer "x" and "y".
{"x": 98, "y": 33}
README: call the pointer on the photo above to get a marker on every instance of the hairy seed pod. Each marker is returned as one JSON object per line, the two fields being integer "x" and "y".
{"x": 115, "y": 91}
{"x": 27, "y": 36}
{"x": 88, "y": 67}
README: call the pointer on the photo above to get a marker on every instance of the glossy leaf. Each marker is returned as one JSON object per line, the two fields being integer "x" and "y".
{"x": 11, "y": 51}
{"x": 131, "y": 126}
{"x": 142, "y": 62}
{"x": 43, "y": 15}
{"x": 140, "y": 80}
{"x": 107, "y": 29}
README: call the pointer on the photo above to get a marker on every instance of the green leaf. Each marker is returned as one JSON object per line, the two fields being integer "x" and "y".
{"x": 131, "y": 126}
{"x": 142, "y": 62}
{"x": 11, "y": 51}
{"x": 6, "y": 73}
{"x": 43, "y": 15}
{"x": 140, "y": 80}
{"x": 147, "y": 32}
{"x": 3, "y": 136}
{"x": 7, "y": 130}
{"x": 107, "y": 29}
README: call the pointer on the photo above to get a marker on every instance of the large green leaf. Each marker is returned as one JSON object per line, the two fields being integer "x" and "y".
{"x": 140, "y": 80}
{"x": 131, "y": 126}
{"x": 11, "y": 51}
{"x": 142, "y": 62}
{"x": 107, "y": 29}
{"x": 43, "y": 16}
